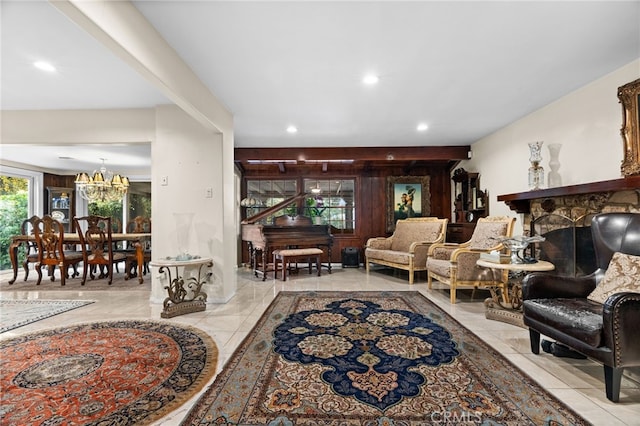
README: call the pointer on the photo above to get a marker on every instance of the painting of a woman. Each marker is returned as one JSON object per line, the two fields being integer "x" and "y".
{"x": 407, "y": 196}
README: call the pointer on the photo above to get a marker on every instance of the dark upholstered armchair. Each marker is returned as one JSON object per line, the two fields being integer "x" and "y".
{"x": 604, "y": 324}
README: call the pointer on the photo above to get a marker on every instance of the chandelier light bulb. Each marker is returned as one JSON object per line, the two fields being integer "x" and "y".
{"x": 370, "y": 79}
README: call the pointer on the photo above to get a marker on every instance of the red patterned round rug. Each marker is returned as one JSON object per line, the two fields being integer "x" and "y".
{"x": 117, "y": 373}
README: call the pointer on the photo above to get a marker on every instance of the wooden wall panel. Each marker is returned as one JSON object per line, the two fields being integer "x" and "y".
{"x": 371, "y": 197}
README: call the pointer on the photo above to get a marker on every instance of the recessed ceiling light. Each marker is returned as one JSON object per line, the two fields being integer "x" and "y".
{"x": 292, "y": 129}
{"x": 370, "y": 79}
{"x": 422, "y": 127}
{"x": 44, "y": 66}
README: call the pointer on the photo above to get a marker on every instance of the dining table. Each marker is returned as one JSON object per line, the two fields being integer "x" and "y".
{"x": 138, "y": 240}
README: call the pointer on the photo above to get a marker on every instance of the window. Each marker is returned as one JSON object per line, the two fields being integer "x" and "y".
{"x": 20, "y": 198}
{"x": 329, "y": 201}
{"x": 332, "y": 202}
{"x": 262, "y": 194}
{"x": 139, "y": 197}
{"x": 138, "y": 200}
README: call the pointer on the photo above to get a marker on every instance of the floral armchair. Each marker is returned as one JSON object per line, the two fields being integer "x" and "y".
{"x": 407, "y": 248}
{"x": 455, "y": 264}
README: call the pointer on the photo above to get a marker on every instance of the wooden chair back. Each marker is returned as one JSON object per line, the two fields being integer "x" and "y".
{"x": 49, "y": 236}
{"x": 139, "y": 224}
{"x": 31, "y": 248}
{"x": 95, "y": 234}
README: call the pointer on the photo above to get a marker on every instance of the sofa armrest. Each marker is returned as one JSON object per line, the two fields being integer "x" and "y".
{"x": 621, "y": 316}
{"x": 438, "y": 249}
{"x": 380, "y": 243}
{"x": 541, "y": 285}
{"x": 420, "y": 251}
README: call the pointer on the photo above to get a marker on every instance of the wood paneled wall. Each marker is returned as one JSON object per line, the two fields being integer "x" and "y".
{"x": 371, "y": 191}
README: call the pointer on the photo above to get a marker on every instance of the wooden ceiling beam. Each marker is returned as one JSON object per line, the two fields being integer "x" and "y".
{"x": 429, "y": 153}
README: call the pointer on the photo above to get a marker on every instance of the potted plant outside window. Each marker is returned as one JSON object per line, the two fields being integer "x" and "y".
{"x": 315, "y": 207}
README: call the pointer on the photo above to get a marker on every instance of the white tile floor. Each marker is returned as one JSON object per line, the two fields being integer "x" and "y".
{"x": 577, "y": 382}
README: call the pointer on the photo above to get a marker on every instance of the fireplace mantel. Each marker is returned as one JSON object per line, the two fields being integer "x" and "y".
{"x": 520, "y": 202}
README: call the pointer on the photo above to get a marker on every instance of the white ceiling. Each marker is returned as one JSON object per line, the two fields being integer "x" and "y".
{"x": 464, "y": 68}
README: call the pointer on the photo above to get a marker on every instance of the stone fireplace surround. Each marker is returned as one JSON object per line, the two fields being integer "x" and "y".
{"x": 563, "y": 215}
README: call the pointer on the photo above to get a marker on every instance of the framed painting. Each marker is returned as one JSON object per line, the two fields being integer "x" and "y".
{"x": 629, "y": 96}
{"x": 407, "y": 196}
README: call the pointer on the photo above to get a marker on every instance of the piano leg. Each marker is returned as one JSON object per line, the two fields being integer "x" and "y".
{"x": 264, "y": 264}
{"x": 254, "y": 261}
{"x": 254, "y": 265}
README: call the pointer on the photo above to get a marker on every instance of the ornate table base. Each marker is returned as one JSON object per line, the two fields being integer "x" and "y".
{"x": 510, "y": 313}
{"x": 495, "y": 311}
{"x": 181, "y": 308}
{"x": 185, "y": 295}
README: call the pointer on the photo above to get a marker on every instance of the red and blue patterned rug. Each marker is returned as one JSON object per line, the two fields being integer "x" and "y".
{"x": 370, "y": 358}
{"x": 104, "y": 373}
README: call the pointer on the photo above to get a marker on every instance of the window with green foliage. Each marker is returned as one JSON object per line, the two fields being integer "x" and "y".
{"x": 138, "y": 200}
{"x": 332, "y": 202}
{"x": 14, "y": 209}
{"x": 112, "y": 209}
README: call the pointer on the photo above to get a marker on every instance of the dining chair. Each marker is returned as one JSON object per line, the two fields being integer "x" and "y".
{"x": 95, "y": 233}
{"x": 49, "y": 236}
{"x": 116, "y": 227}
{"x": 138, "y": 225}
{"x": 30, "y": 247}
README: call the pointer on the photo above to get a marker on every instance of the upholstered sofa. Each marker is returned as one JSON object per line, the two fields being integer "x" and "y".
{"x": 598, "y": 314}
{"x": 407, "y": 248}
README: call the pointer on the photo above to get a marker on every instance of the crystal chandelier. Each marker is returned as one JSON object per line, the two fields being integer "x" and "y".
{"x": 102, "y": 185}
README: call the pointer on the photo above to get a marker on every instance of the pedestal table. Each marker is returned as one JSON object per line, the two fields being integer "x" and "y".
{"x": 185, "y": 294}
{"x": 494, "y": 307}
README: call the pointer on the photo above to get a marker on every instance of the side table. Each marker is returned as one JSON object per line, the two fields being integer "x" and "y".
{"x": 494, "y": 308}
{"x": 185, "y": 295}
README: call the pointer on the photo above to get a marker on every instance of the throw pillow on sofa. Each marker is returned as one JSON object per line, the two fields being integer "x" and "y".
{"x": 623, "y": 275}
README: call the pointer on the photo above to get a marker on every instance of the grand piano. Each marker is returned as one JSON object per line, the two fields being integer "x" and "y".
{"x": 286, "y": 232}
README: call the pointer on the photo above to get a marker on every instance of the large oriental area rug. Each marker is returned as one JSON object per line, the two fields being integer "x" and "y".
{"x": 370, "y": 358}
{"x": 104, "y": 373}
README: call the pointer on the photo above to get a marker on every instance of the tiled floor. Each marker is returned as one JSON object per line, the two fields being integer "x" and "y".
{"x": 577, "y": 382}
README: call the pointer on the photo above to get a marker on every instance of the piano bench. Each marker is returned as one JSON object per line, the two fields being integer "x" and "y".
{"x": 288, "y": 255}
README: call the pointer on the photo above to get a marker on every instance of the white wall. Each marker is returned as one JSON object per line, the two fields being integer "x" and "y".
{"x": 133, "y": 125}
{"x": 191, "y": 158}
{"x": 586, "y": 122}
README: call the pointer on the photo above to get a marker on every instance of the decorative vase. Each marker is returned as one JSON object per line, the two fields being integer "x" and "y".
{"x": 554, "y": 164}
{"x": 536, "y": 171}
{"x": 183, "y": 229}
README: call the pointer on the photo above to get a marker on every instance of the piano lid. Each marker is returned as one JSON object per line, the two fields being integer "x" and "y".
{"x": 273, "y": 209}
